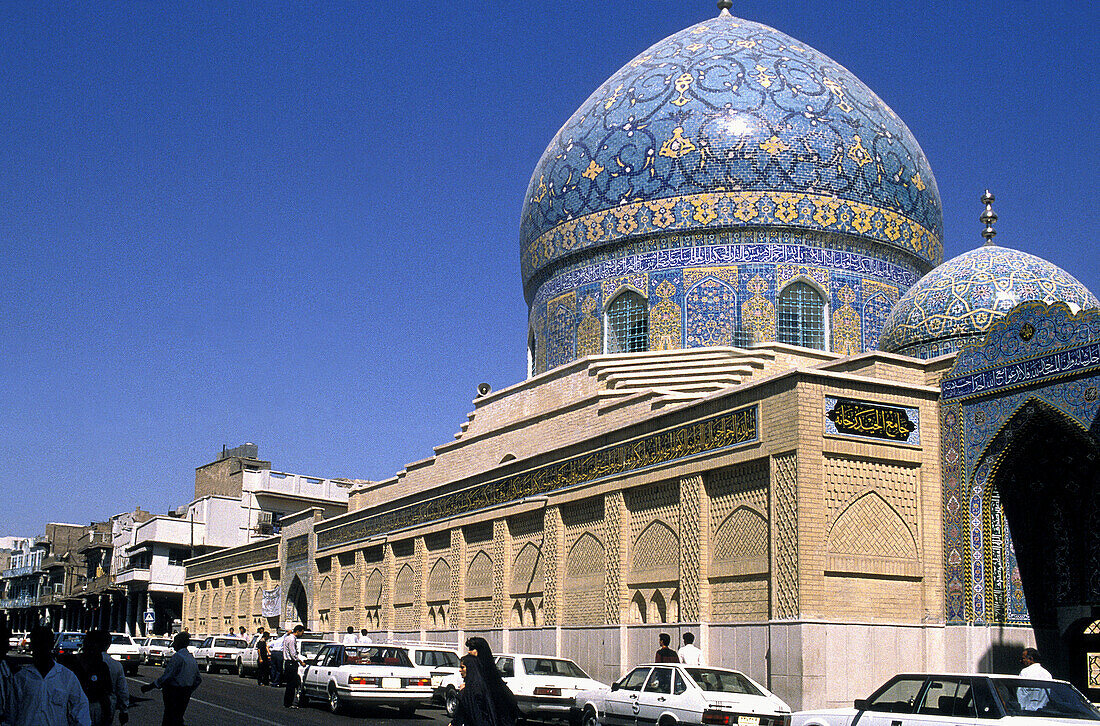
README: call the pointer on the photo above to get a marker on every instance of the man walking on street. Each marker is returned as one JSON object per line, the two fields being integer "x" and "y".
{"x": 48, "y": 693}
{"x": 120, "y": 691}
{"x": 689, "y": 654}
{"x": 291, "y": 661}
{"x": 178, "y": 682}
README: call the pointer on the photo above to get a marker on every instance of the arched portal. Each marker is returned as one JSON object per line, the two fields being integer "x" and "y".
{"x": 1043, "y": 525}
{"x": 297, "y": 604}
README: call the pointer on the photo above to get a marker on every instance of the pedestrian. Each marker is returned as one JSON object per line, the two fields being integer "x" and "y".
{"x": 364, "y": 638}
{"x": 665, "y": 654}
{"x": 95, "y": 677}
{"x": 7, "y": 696}
{"x": 291, "y": 661}
{"x": 505, "y": 711}
{"x": 478, "y": 705}
{"x": 120, "y": 691}
{"x": 276, "y": 647}
{"x": 350, "y": 638}
{"x": 243, "y": 634}
{"x": 1032, "y": 699}
{"x": 689, "y": 654}
{"x": 263, "y": 655}
{"x": 48, "y": 693}
{"x": 178, "y": 682}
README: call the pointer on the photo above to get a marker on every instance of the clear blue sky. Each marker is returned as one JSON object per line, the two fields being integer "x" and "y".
{"x": 297, "y": 223}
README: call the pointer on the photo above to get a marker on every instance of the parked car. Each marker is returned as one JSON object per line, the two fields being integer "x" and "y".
{"x": 668, "y": 693}
{"x": 965, "y": 699}
{"x": 156, "y": 651}
{"x": 365, "y": 674}
{"x": 126, "y": 651}
{"x": 67, "y": 643}
{"x": 438, "y": 661}
{"x": 249, "y": 658}
{"x": 544, "y": 686}
{"x": 219, "y": 652}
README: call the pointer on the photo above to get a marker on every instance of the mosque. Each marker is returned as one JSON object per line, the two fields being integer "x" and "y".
{"x": 761, "y": 408}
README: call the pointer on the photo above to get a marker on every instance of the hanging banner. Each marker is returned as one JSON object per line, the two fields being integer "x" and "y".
{"x": 270, "y": 607}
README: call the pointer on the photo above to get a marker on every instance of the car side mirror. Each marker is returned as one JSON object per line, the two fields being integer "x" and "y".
{"x": 615, "y": 686}
{"x": 861, "y": 704}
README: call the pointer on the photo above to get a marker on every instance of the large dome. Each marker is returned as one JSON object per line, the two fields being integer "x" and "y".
{"x": 962, "y": 298}
{"x": 730, "y": 123}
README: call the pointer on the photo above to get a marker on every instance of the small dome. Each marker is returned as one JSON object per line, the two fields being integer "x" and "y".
{"x": 730, "y": 123}
{"x": 962, "y": 298}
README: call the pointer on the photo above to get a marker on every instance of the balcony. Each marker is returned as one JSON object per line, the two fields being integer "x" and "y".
{"x": 169, "y": 530}
{"x": 133, "y": 574}
{"x": 18, "y": 571}
{"x": 23, "y": 601}
{"x": 98, "y": 584}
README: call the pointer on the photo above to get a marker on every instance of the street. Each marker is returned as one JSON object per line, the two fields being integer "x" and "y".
{"x": 226, "y": 699}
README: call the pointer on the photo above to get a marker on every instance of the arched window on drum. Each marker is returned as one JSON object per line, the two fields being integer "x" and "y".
{"x": 801, "y": 314}
{"x": 627, "y": 325}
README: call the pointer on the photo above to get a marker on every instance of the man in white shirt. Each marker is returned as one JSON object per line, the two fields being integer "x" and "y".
{"x": 48, "y": 693}
{"x": 364, "y": 638}
{"x": 276, "y": 647}
{"x": 1032, "y": 699}
{"x": 689, "y": 654}
{"x": 350, "y": 638}
{"x": 291, "y": 661}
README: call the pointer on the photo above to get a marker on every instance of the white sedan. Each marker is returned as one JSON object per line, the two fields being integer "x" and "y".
{"x": 544, "y": 686}
{"x": 219, "y": 652}
{"x": 669, "y": 693}
{"x": 123, "y": 649}
{"x": 962, "y": 699}
{"x": 382, "y": 675}
{"x": 156, "y": 651}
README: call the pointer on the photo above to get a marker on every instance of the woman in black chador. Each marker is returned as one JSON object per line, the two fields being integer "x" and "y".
{"x": 485, "y": 699}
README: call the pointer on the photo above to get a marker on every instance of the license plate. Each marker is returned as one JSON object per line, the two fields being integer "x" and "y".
{"x": 748, "y": 721}
{"x": 391, "y": 683}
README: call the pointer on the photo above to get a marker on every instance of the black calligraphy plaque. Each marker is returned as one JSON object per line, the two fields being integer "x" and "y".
{"x": 872, "y": 420}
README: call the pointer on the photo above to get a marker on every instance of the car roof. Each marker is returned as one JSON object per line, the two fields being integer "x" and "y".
{"x": 999, "y": 676}
{"x": 532, "y": 655}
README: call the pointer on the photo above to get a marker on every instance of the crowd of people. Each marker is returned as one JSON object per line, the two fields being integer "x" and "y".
{"x": 87, "y": 688}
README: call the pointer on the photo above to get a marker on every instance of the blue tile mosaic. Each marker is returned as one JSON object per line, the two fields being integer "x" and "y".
{"x": 730, "y": 123}
{"x": 958, "y": 301}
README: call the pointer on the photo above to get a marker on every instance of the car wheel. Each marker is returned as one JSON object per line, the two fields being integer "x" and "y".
{"x": 210, "y": 666}
{"x": 334, "y": 704}
{"x": 300, "y": 697}
{"x": 450, "y": 701}
{"x": 590, "y": 718}
{"x": 240, "y": 668}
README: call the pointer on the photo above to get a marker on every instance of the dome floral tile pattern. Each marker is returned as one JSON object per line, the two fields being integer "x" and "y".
{"x": 963, "y": 297}
{"x": 730, "y": 123}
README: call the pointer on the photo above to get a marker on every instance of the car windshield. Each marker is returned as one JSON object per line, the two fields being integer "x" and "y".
{"x": 309, "y": 648}
{"x": 376, "y": 655}
{"x": 229, "y": 643}
{"x": 70, "y": 639}
{"x": 1043, "y": 699}
{"x": 120, "y": 639}
{"x": 552, "y": 667}
{"x": 160, "y": 641}
{"x": 718, "y": 681}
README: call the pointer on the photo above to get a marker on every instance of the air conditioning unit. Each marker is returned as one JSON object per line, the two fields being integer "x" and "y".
{"x": 264, "y": 523}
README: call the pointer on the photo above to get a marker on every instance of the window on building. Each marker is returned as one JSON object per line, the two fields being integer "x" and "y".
{"x": 176, "y": 556}
{"x": 627, "y": 325}
{"x": 801, "y": 316}
{"x": 531, "y": 361}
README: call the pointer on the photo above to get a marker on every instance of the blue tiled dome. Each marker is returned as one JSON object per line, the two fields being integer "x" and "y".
{"x": 959, "y": 300}
{"x": 730, "y": 123}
